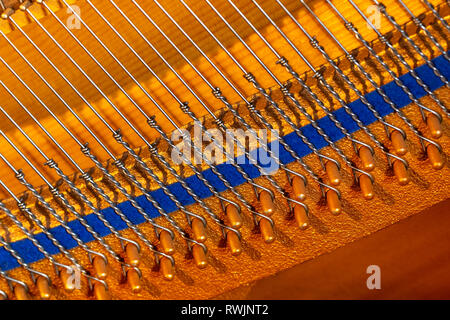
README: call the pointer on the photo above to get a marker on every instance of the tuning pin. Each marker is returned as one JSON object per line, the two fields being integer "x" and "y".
{"x": 333, "y": 173}
{"x": 333, "y": 201}
{"x": 100, "y": 292}
{"x": 301, "y": 217}
{"x": 366, "y": 187}
{"x": 43, "y": 288}
{"x": 133, "y": 255}
{"x": 199, "y": 256}
{"x": 400, "y": 172}
{"x": 398, "y": 142}
{"x": 166, "y": 242}
{"x": 233, "y": 216}
{"x": 100, "y": 268}
{"x": 266, "y": 230}
{"x": 434, "y": 125}
{"x": 134, "y": 280}
{"x": 198, "y": 228}
{"x": 435, "y": 157}
{"x": 21, "y": 293}
{"x": 267, "y": 205}
{"x": 298, "y": 188}
{"x": 166, "y": 268}
{"x": 234, "y": 243}
{"x": 3, "y": 295}
{"x": 367, "y": 158}
{"x": 67, "y": 280}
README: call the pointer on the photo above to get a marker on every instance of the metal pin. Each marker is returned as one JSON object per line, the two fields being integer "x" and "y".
{"x": 435, "y": 156}
{"x": 166, "y": 242}
{"x": 333, "y": 202}
{"x": 100, "y": 268}
{"x": 21, "y": 293}
{"x": 100, "y": 292}
{"x": 267, "y": 204}
{"x": 267, "y": 231}
{"x": 198, "y": 230}
{"x": 44, "y": 288}
{"x": 298, "y": 188}
{"x": 134, "y": 280}
{"x": 366, "y": 158}
{"x": 401, "y": 173}
{"x": 167, "y": 269}
{"x": 7, "y": 13}
{"x": 366, "y": 187}
{"x": 133, "y": 255}
{"x": 67, "y": 280}
{"x": 199, "y": 257}
{"x": 13, "y": 284}
{"x": 234, "y": 243}
{"x": 301, "y": 217}
{"x": 398, "y": 142}
{"x": 333, "y": 173}
{"x": 434, "y": 126}
{"x": 234, "y": 216}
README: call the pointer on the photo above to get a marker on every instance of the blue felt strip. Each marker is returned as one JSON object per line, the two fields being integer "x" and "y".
{"x": 28, "y": 251}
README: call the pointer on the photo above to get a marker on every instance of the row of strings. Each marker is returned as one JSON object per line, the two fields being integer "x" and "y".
{"x": 230, "y": 219}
